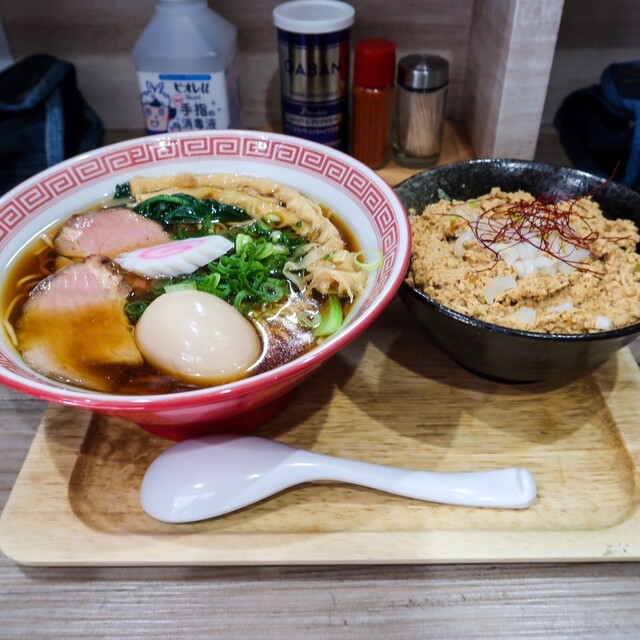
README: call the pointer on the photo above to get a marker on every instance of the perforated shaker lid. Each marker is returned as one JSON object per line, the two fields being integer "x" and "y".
{"x": 423, "y": 71}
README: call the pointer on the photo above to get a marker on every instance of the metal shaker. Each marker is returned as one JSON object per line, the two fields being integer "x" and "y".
{"x": 421, "y": 96}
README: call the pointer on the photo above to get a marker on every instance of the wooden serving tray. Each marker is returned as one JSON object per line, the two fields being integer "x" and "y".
{"x": 392, "y": 398}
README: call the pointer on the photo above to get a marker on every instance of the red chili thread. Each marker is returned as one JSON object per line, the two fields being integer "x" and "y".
{"x": 519, "y": 221}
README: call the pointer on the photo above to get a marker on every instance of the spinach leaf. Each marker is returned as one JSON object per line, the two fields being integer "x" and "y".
{"x": 122, "y": 190}
{"x": 186, "y": 216}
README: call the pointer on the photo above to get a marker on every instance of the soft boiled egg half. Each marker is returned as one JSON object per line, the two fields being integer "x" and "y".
{"x": 197, "y": 337}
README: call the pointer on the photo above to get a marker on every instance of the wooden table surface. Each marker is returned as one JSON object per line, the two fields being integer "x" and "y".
{"x": 581, "y": 600}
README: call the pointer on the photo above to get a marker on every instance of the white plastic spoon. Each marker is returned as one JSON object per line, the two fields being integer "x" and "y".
{"x": 208, "y": 477}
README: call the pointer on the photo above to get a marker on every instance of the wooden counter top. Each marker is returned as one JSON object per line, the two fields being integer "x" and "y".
{"x": 461, "y": 601}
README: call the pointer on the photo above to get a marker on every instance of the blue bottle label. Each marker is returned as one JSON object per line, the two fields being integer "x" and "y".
{"x": 314, "y": 72}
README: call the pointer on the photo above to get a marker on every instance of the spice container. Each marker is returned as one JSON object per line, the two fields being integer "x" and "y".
{"x": 421, "y": 96}
{"x": 187, "y": 72}
{"x": 372, "y": 93}
{"x": 313, "y": 49}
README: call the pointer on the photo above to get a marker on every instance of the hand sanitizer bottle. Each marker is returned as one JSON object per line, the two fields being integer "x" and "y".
{"x": 186, "y": 62}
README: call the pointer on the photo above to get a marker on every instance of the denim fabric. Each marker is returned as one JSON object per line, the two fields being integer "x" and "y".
{"x": 621, "y": 89}
{"x": 43, "y": 118}
{"x": 598, "y": 125}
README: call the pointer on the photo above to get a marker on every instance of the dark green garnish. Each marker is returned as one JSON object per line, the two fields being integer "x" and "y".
{"x": 135, "y": 309}
{"x": 122, "y": 190}
{"x": 186, "y": 216}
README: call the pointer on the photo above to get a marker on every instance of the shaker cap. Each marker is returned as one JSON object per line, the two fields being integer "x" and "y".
{"x": 313, "y": 16}
{"x": 375, "y": 63}
{"x": 423, "y": 71}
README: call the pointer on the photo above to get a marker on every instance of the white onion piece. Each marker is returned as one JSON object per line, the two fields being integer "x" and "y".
{"x": 464, "y": 212}
{"x": 524, "y": 268}
{"x": 510, "y": 254}
{"x": 555, "y": 245}
{"x": 527, "y": 251}
{"x": 525, "y": 315}
{"x": 565, "y": 268}
{"x": 458, "y": 248}
{"x": 603, "y": 323}
{"x": 565, "y": 306}
{"x": 174, "y": 258}
{"x": 544, "y": 264}
{"x": 575, "y": 254}
{"x": 484, "y": 230}
{"x": 498, "y": 286}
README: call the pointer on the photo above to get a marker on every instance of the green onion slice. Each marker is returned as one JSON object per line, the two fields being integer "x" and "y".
{"x": 377, "y": 258}
{"x": 309, "y": 318}
{"x": 180, "y": 286}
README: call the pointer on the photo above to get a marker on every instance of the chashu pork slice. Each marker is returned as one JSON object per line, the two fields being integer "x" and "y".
{"x": 108, "y": 232}
{"x": 74, "y": 328}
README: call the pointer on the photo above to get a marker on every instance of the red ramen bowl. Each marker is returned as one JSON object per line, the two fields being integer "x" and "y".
{"x": 364, "y": 202}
